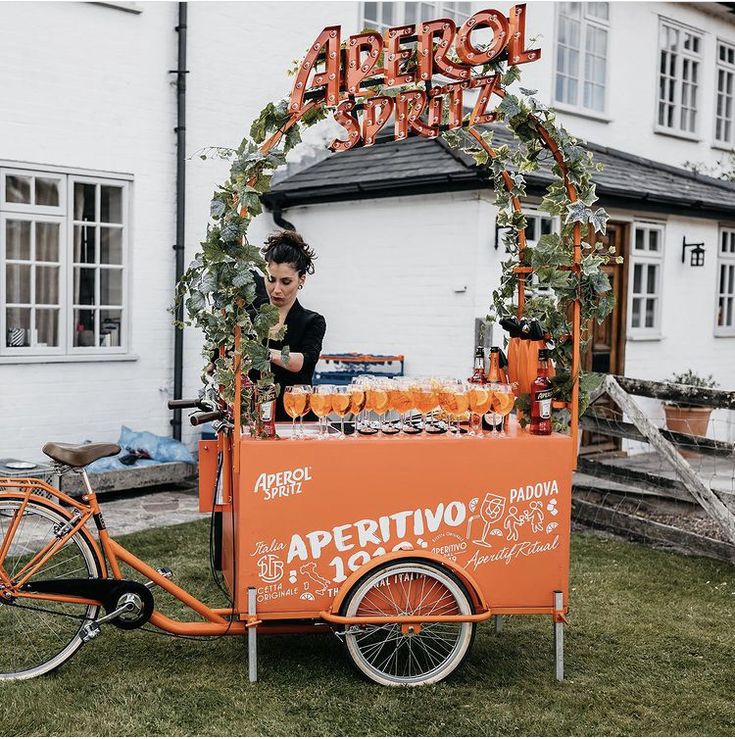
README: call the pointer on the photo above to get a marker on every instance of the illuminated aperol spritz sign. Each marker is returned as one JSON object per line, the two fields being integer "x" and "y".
{"x": 347, "y": 79}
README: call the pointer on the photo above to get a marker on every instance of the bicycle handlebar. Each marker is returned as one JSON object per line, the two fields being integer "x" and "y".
{"x": 186, "y": 403}
{"x": 199, "y": 418}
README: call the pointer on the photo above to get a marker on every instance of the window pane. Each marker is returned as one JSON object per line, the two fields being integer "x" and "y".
{"x": 17, "y": 189}
{"x": 637, "y": 278}
{"x": 84, "y": 206}
{"x": 653, "y": 240}
{"x": 110, "y": 287}
{"x": 111, "y": 204}
{"x": 651, "y": 284}
{"x": 546, "y": 225}
{"x": 371, "y": 11}
{"x": 18, "y": 240}
{"x": 18, "y": 327}
{"x": 47, "y": 191}
{"x": 531, "y": 229}
{"x": 650, "y": 312}
{"x": 635, "y": 320}
{"x": 83, "y": 328}
{"x": 84, "y": 243}
{"x": 47, "y": 242}
{"x": 47, "y": 327}
{"x": 18, "y": 283}
{"x": 47, "y": 285}
{"x": 639, "y": 238}
{"x": 110, "y": 327}
{"x": 597, "y": 10}
{"x": 110, "y": 245}
{"x": 84, "y": 286}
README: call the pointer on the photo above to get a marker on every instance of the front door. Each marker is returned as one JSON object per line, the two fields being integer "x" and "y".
{"x": 606, "y": 351}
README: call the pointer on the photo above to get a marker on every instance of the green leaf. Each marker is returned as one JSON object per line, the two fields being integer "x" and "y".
{"x": 216, "y": 208}
{"x": 509, "y": 107}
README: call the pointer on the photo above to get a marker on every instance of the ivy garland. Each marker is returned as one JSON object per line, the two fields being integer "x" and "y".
{"x": 218, "y": 288}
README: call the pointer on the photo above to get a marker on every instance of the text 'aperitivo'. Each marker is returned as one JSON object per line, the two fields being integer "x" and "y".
{"x": 346, "y": 79}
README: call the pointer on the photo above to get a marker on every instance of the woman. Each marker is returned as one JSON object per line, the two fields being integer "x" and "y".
{"x": 289, "y": 261}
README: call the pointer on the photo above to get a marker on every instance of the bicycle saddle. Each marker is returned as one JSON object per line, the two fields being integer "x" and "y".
{"x": 79, "y": 455}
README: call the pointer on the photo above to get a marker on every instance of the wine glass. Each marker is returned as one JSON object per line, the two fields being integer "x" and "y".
{"x": 462, "y": 401}
{"x": 379, "y": 402}
{"x": 357, "y": 399}
{"x": 369, "y": 407}
{"x": 448, "y": 401}
{"x": 341, "y": 405}
{"x": 502, "y": 403}
{"x": 427, "y": 400}
{"x": 321, "y": 404}
{"x": 304, "y": 393}
{"x": 480, "y": 398}
{"x": 291, "y": 403}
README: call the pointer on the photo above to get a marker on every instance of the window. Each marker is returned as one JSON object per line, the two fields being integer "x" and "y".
{"x": 723, "y": 106}
{"x": 725, "y": 325}
{"x": 581, "y": 55}
{"x": 645, "y": 286}
{"x": 62, "y": 264}
{"x": 680, "y": 52}
{"x": 380, "y": 16}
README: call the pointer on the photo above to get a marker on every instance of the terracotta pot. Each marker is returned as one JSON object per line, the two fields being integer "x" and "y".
{"x": 688, "y": 420}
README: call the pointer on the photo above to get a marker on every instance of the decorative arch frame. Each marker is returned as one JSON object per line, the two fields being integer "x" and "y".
{"x": 277, "y": 124}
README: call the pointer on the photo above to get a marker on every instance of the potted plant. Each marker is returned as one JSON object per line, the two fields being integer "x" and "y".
{"x": 690, "y": 419}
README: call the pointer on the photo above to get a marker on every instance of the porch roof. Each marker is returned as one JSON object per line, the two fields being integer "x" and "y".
{"x": 418, "y": 165}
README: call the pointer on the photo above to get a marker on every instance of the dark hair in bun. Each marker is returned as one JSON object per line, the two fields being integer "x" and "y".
{"x": 287, "y": 247}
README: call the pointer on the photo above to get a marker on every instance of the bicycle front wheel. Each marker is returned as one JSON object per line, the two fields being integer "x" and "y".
{"x": 37, "y": 634}
{"x": 393, "y": 654}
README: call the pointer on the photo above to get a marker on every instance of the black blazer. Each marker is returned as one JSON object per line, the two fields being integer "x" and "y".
{"x": 305, "y": 331}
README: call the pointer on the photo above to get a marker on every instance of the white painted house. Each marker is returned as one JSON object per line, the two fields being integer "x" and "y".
{"x": 88, "y": 201}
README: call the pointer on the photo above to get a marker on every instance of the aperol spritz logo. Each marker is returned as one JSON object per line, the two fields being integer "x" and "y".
{"x": 348, "y": 79}
{"x": 282, "y": 484}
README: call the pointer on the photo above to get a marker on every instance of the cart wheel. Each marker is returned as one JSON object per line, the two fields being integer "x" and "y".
{"x": 391, "y": 655}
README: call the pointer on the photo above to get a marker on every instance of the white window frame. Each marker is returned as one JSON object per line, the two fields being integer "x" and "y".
{"x": 64, "y": 215}
{"x": 681, "y": 55}
{"x": 441, "y": 9}
{"x": 725, "y": 258}
{"x": 532, "y": 286}
{"x": 646, "y": 257}
{"x": 726, "y": 68}
{"x": 587, "y": 21}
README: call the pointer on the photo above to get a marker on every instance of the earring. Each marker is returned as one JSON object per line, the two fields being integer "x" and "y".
{"x": 301, "y": 287}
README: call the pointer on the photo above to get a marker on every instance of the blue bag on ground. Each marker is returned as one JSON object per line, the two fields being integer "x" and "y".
{"x": 160, "y": 448}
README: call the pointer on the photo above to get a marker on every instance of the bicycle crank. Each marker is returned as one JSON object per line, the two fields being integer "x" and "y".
{"x": 128, "y": 604}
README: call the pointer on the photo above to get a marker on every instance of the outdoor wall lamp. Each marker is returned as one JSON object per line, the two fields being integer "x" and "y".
{"x": 696, "y": 256}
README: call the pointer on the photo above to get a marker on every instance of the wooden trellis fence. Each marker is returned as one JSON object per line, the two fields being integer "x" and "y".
{"x": 602, "y": 485}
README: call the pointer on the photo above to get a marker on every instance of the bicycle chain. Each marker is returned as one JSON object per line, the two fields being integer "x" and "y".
{"x": 45, "y": 610}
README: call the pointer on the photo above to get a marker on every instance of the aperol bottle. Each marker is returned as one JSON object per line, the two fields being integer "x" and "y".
{"x": 478, "y": 371}
{"x": 541, "y": 395}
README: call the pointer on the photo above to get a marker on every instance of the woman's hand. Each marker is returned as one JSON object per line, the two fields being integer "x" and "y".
{"x": 295, "y": 360}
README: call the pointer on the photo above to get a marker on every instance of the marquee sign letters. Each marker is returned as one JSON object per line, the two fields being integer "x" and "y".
{"x": 340, "y": 76}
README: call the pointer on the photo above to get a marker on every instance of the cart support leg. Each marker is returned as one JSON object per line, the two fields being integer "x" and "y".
{"x": 252, "y": 638}
{"x": 559, "y": 635}
{"x": 498, "y": 624}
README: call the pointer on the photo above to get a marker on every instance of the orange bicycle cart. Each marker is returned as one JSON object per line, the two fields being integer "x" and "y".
{"x": 400, "y": 545}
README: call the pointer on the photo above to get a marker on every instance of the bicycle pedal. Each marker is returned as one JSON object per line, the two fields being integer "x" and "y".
{"x": 90, "y": 631}
{"x": 163, "y": 572}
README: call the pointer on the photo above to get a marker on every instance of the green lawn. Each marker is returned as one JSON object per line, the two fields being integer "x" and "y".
{"x": 650, "y": 650}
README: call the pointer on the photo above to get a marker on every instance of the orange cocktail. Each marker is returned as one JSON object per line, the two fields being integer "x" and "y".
{"x": 296, "y": 403}
{"x": 503, "y": 401}
{"x": 480, "y": 398}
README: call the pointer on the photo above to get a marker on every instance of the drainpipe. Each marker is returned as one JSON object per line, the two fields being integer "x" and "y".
{"x": 279, "y": 220}
{"x": 180, "y": 131}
